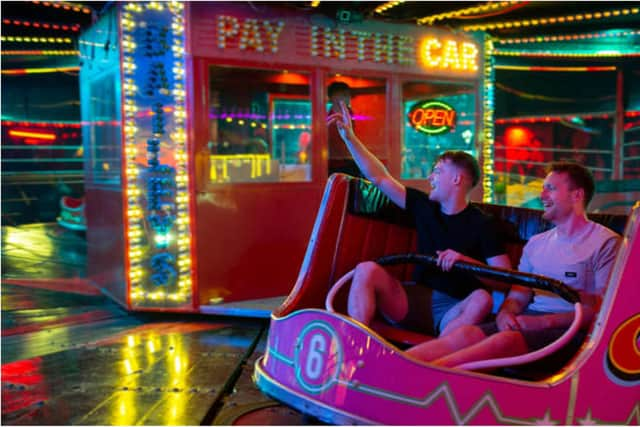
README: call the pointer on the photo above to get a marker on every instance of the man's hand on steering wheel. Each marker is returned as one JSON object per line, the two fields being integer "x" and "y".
{"x": 448, "y": 257}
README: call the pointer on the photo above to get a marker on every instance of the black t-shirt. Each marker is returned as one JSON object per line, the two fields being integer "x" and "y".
{"x": 470, "y": 232}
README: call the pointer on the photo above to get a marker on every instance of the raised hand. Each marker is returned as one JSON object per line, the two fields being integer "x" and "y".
{"x": 342, "y": 119}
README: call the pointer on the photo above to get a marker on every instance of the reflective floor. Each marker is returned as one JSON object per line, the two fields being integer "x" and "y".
{"x": 72, "y": 356}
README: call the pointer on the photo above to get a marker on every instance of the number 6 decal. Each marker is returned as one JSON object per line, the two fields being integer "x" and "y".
{"x": 318, "y": 357}
{"x": 315, "y": 360}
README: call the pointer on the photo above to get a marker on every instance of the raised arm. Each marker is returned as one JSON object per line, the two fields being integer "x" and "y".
{"x": 371, "y": 167}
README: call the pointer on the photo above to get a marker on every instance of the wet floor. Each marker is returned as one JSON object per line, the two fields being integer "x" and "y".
{"x": 72, "y": 356}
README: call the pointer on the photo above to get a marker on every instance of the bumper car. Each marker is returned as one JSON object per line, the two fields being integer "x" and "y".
{"x": 72, "y": 215}
{"x": 325, "y": 364}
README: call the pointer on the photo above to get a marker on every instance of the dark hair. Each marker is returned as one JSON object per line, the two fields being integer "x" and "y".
{"x": 464, "y": 161}
{"x": 338, "y": 87}
{"x": 579, "y": 177}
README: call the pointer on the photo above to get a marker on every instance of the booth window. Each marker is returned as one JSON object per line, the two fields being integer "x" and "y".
{"x": 437, "y": 117}
{"x": 631, "y": 148}
{"x": 259, "y": 125}
{"x": 365, "y": 97}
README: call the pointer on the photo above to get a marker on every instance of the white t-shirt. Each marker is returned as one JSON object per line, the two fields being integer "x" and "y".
{"x": 583, "y": 263}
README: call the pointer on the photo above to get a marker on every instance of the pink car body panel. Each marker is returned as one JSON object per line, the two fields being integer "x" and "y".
{"x": 330, "y": 366}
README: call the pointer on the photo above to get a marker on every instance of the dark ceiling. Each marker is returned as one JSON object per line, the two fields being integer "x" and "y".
{"x": 407, "y": 12}
{"x": 412, "y": 11}
{"x": 584, "y": 17}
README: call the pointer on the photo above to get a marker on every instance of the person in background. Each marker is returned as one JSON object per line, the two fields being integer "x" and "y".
{"x": 577, "y": 251}
{"x": 448, "y": 228}
{"x": 340, "y": 160}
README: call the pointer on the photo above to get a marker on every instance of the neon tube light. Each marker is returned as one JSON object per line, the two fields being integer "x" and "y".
{"x": 42, "y": 52}
{"x": 39, "y": 70}
{"x": 553, "y": 20}
{"x": 64, "y": 6}
{"x": 541, "y": 68}
{"x": 46, "y": 25}
{"x": 32, "y": 134}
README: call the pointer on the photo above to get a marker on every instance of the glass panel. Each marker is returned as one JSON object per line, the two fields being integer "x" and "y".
{"x": 631, "y": 149}
{"x": 437, "y": 117}
{"x": 523, "y": 149}
{"x": 260, "y": 125}
{"x": 104, "y": 132}
{"x": 366, "y": 99}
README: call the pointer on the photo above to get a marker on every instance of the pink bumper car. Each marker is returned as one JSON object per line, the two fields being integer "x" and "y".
{"x": 325, "y": 364}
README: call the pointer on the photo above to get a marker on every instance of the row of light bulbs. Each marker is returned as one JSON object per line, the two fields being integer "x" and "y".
{"x": 552, "y": 20}
{"x": 137, "y": 273}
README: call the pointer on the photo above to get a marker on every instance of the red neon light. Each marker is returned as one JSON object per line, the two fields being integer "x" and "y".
{"x": 32, "y": 134}
{"x": 43, "y": 124}
{"x": 74, "y": 27}
{"x": 432, "y": 117}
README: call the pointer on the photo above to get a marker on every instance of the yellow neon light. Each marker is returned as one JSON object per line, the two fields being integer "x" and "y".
{"x": 40, "y": 70}
{"x": 139, "y": 276}
{"x": 37, "y": 135}
{"x": 388, "y": 5}
{"x": 567, "y": 37}
{"x": 601, "y": 54}
{"x": 449, "y": 54}
{"x": 42, "y": 52}
{"x": 21, "y": 39}
{"x": 467, "y": 11}
{"x": 222, "y": 161}
{"x": 488, "y": 122}
{"x": 551, "y": 20}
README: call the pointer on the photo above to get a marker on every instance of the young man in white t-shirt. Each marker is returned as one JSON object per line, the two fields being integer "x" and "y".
{"x": 577, "y": 251}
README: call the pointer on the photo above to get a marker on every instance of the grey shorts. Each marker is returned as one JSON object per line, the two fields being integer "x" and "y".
{"x": 427, "y": 307}
{"x": 538, "y": 339}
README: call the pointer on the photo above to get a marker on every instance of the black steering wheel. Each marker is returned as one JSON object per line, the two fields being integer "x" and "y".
{"x": 502, "y": 274}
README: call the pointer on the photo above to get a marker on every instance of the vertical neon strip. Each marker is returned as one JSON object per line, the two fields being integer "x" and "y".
{"x": 185, "y": 272}
{"x": 156, "y": 155}
{"x": 131, "y": 171}
{"x": 487, "y": 128}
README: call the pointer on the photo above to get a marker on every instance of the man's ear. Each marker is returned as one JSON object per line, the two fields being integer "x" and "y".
{"x": 578, "y": 195}
{"x": 457, "y": 178}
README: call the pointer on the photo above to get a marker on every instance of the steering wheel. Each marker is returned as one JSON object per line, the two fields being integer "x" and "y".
{"x": 502, "y": 274}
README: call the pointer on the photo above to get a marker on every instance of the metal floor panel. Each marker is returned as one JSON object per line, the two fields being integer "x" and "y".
{"x": 246, "y": 405}
{"x": 72, "y": 356}
{"x": 145, "y": 377}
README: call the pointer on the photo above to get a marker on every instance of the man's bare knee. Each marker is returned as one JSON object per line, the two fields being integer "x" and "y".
{"x": 482, "y": 298}
{"x": 480, "y": 305}
{"x": 366, "y": 270}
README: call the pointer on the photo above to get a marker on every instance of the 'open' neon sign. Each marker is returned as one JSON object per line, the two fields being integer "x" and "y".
{"x": 432, "y": 117}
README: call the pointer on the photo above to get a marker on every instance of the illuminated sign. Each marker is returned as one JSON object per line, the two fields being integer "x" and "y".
{"x": 432, "y": 117}
{"x": 281, "y": 37}
{"x": 449, "y": 54}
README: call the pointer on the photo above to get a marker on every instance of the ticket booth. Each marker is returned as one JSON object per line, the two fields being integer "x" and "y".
{"x": 207, "y": 148}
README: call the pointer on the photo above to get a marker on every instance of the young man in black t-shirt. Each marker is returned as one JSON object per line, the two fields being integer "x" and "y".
{"x": 448, "y": 227}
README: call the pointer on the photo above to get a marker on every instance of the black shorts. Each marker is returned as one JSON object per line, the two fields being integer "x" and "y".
{"x": 426, "y": 309}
